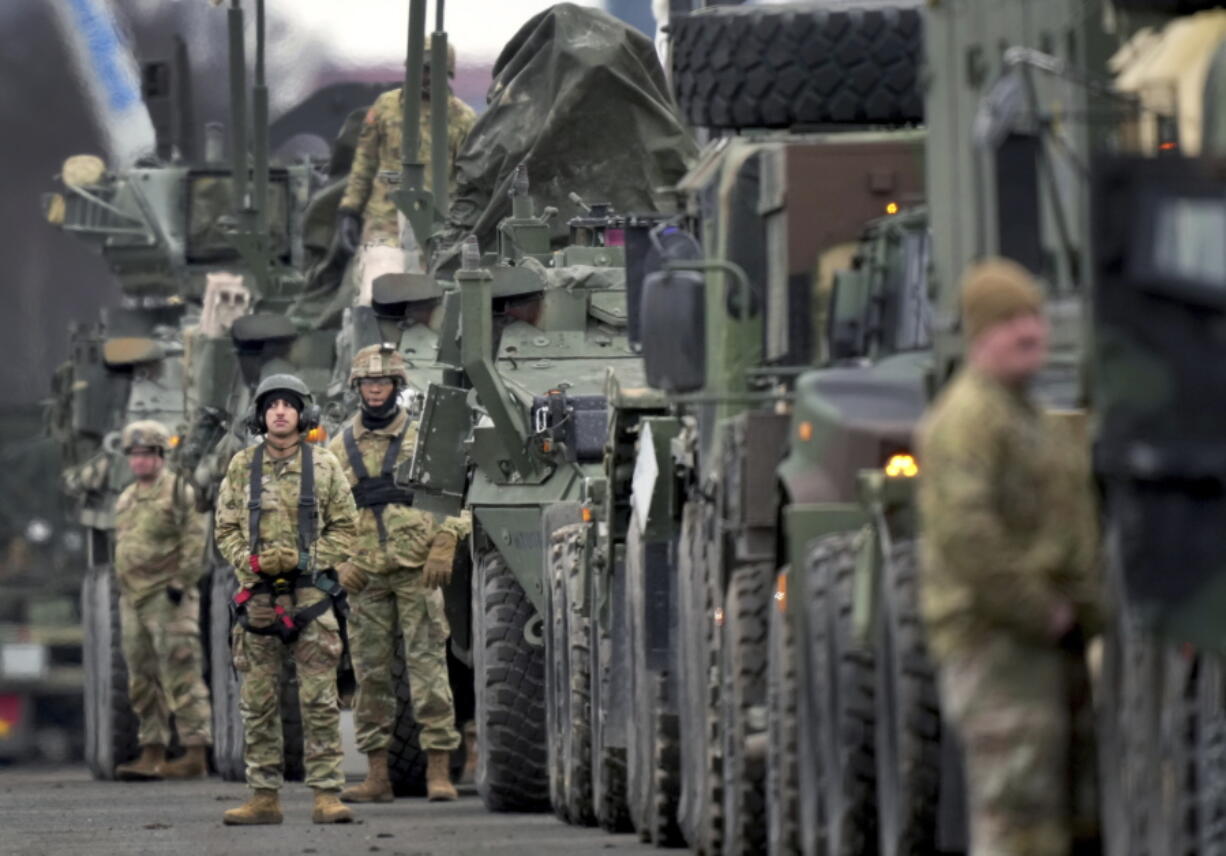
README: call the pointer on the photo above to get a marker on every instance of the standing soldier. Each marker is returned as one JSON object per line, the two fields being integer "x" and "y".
{"x": 285, "y": 518}
{"x": 367, "y": 217}
{"x": 159, "y": 558}
{"x": 401, "y": 561}
{"x": 1010, "y": 589}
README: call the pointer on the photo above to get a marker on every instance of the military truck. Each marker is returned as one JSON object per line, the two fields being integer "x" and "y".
{"x": 1040, "y": 175}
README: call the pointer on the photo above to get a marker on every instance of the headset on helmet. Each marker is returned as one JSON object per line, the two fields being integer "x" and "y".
{"x": 308, "y": 419}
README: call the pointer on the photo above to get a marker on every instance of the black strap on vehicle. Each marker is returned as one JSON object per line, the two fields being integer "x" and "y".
{"x": 288, "y": 627}
{"x": 306, "y": 504}
{"x": 378, "y": 492}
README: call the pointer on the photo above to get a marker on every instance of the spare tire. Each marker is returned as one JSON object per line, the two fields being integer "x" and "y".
{"x": 784, "y": 66}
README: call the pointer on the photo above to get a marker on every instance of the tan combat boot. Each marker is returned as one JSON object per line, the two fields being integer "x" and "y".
{"x": 193, "y": 764}
{"x": 263, "y": 808}
{"x": 146, "y": 768}
{"x": 438, "y": 776}
{"x": 329, "y": 809}
{"x": 378, "y": 785}
{"x": 469, "y": 775}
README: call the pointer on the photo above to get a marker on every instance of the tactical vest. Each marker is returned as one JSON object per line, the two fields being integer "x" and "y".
{"x": 377, "y": 492}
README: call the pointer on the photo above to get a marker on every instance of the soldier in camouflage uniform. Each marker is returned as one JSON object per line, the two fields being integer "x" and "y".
{"x": 367, "y": 217}
{"x": 285, "y": 600}
{"x": 1009, "y": 587}
{"x": 159, "y": 558}
{"x": 402, "y": 559}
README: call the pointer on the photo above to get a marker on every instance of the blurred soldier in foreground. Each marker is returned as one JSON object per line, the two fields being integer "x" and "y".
{"x": 159, "y": 558}
{"x": 368, "y": 218}
{"x": 285, "y": 518}
{"x": 1009, "y": 588}
{"x": 402, "y": 559}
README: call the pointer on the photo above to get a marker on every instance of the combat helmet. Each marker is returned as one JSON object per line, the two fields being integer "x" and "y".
{"x": 308, "y": 418}
{"x": 450, "y": 56}
{"x": 381, "y": 360}
{"x": 146, "y": 434}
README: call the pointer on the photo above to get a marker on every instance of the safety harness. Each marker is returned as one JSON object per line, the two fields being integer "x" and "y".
{"x": 287, "y": 626}
{"x": 377, "y": 492}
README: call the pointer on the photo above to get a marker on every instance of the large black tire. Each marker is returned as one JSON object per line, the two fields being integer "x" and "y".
{"x": 228, "y": 735}
{"x": 743, "y": 658}
{"x": 908, "y": 716}
{"x": 110, "y": 725}
{"x": 608, "y": 658}
{"x": 782, "y": 767}
{"x": 652, "y": 731}
{"x": 783, "y": 66}
{"x": 512, "y": 766}
{"x": 406, "y": 760}
{"x": 1211, "y": 755}
{"x": 701, "y": 810}
{"x": 838, "y": 769}
{"x": 568, "y": 680}
{"x": 227, "y": 722}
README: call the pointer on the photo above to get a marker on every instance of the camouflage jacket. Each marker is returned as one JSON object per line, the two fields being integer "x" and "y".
{"x": 409, "y": 532}
{"x": 1008, "y": 518}
{"x": 335, "y": 514}
{"x": 378, "y": 150}
{"x": 159, "y": 536}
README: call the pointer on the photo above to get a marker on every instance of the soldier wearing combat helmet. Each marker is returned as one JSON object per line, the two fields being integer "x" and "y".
{"x": 285, "y": 520}
{"x": 1010, "y": 589}
{"x": 367, "y": 218}
{"x": 403, "y": 556}
{"x": 159, "y": 559}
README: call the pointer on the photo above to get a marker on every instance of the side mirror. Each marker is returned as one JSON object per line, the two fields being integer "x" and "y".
{"x": 674, "y": 330}
{"x": 847, "y": 324}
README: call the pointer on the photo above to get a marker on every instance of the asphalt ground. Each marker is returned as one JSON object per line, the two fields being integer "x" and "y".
{"x": 64, "y": 811}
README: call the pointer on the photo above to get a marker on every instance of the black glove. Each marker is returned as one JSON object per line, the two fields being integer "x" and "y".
{"x": 175, "y": 594}
{"x": 348, "y": 230}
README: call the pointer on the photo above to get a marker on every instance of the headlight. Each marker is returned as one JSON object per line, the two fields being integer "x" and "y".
{"x": 901, "y": 466}
{"x": 23, "y": 661}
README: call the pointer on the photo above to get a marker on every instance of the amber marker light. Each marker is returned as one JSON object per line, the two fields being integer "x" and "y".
{"x": 901, "y": 466}
{"x": 804, "y": 431}
{"x": 781, "y": 593}
{"x": 891, "y": 208}
{"x": 175, "y": 440}
{"x": 587, "y": 515}
{"x": 317, "y": 435}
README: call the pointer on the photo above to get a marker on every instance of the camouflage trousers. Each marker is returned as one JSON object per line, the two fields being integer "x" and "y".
{"x": 259, "y": 661}
{"x": 1010, "y": 704}
{"x": 161, "y": 644}
{"x": 393, "y": 602}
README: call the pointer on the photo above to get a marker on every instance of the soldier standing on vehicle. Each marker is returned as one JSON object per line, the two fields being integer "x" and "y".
{"x": 285, "y": 519}
{"x": 159, "y": 559}
{"x": 1009, "y": 588}
{"x": 367, "y": 218}
{"x": 402, "y": 560}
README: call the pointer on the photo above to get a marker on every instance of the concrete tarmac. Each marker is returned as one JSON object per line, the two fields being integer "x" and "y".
{"x": 64, "y": 811}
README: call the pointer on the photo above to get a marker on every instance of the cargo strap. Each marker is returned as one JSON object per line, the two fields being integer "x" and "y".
{"x": 380, "y": 491}
{"x": 306, "y": 506}
{"x": 286, "y": 626}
